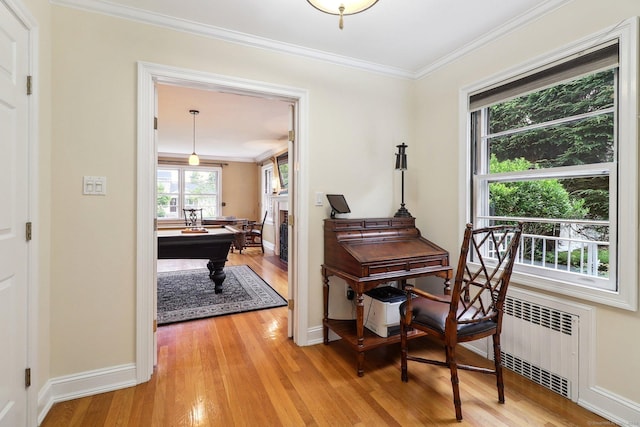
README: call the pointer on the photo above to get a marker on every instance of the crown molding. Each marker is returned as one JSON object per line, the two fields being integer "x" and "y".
{"x": 177, "y": 24}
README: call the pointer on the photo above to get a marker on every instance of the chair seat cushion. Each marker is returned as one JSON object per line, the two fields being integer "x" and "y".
{"x": 433, "y": 315}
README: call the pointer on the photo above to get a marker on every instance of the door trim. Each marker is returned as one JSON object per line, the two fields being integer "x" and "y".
{"x": 148, "y": 75}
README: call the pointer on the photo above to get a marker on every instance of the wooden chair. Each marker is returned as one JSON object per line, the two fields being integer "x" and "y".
{"x": 473, "y": 310}
{"x": 192, "y": 216}
{"x": 253, "y": 233}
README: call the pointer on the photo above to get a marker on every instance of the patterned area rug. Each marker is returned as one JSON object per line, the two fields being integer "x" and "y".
{"x": 188, "y": 294}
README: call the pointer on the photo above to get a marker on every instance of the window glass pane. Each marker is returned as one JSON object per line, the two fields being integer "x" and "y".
{"x": 168, "y": 181}
{"x": 207, "y": 203}
{"x": 575, "y": 198}
{"x": 587, "y": 94}
{"x": 585, "y": 141}
{"x": 168, "y": 188}
{"x": 200, "y": 182}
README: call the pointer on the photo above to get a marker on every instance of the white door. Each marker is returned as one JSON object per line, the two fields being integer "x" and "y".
{"x": 14, "y": 175}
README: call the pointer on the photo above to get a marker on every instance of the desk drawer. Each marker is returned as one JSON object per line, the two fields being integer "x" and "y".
{"x": 423, "y": 263}
{"x": 387, "y": 268}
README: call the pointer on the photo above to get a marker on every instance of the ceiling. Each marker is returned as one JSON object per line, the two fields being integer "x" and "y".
{"x": 228, "y": 126}
{"x": 403, "y": 38}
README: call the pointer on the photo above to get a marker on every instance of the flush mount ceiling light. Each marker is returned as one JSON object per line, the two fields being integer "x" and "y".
{"x": 342, "y": 7}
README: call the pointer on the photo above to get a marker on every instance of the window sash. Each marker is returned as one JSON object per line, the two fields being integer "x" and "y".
{"x": 181, "y": 195}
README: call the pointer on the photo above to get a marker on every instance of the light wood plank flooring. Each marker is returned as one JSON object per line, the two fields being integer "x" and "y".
{"x": 242, "y": 370}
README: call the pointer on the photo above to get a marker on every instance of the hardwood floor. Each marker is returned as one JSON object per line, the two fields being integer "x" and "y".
{"x": 242, "y": 370}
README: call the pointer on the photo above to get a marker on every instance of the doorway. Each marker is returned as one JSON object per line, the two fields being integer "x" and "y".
{"x": 149, "y": 75}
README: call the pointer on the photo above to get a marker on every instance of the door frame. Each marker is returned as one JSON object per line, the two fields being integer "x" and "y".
{"x": 149, "y": 74}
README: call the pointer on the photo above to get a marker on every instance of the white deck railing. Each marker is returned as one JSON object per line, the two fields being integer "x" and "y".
{"x": 573, "y": 250}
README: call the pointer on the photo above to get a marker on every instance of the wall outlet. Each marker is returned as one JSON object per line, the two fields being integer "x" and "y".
{"x": 351, "y": 294}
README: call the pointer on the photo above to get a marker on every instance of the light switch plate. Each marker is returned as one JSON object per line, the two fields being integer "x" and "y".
{"x": 319, "y": 198}
{"x": 94, "y": 185}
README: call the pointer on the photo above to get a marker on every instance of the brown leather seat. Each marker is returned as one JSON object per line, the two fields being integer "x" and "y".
{"x": 473, "y": 310}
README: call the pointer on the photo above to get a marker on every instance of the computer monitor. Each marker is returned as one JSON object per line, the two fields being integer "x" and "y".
{"x": 338, "y": 204}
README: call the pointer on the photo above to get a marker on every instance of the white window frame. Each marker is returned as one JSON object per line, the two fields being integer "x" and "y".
{"x": 268, "y": 190}
{"x": 181, "y": 184}
{"x": 626, "y": 223}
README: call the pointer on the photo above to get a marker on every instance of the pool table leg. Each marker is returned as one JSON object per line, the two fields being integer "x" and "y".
{"x": 217, "y": 274}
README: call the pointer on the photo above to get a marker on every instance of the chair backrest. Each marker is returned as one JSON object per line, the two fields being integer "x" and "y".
{"x": 264, "y": 218}
{"x": 484, "y": 269}
{"x": 191, "y": 217}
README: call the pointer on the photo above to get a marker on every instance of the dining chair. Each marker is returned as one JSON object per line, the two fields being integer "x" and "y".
{"x": 472, "y": 311}
{"x": 253, "y": 233}
{"x": 192, "y": 216}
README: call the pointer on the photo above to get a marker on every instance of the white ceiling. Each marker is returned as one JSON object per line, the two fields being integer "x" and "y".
{"x": 404, "y": 38}
{"x": 228, "y": 126}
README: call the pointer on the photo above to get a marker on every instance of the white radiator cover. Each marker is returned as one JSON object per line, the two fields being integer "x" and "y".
{"x": 545, "y": 339}
{"x": 541, "y": 342}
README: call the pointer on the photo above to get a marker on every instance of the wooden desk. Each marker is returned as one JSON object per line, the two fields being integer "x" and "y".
{"x": 366, "y": 253}
{"x": 213, "y": 245}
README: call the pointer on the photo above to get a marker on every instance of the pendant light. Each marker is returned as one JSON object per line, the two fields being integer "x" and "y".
{"x": 342, "y": 7}
{"x": 194, "y": 160}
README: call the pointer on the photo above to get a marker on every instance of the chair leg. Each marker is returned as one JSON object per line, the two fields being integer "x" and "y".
{"x": 497, "y": 358}
{"x": 453, "y": 367}
{"x": 403, "y": 352}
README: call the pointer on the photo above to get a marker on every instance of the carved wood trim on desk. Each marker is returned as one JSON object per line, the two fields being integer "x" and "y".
{"x": 366, "y": 253}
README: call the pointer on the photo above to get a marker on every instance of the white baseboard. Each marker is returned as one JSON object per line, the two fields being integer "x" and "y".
{"x": 84, "y": 384}
{"x": 617, "y": 409}
{"x": 314, "y": 335}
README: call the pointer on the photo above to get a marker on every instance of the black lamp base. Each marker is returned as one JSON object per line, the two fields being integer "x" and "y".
{"x": 402, "y": 213}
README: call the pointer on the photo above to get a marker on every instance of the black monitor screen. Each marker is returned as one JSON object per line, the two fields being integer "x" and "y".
{"x": 338, "y": 203}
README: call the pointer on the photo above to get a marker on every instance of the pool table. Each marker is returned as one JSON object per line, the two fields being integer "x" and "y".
{"x": 213, "y": 245}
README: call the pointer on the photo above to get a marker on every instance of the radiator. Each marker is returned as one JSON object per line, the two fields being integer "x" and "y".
{"x": 541, "y": 343}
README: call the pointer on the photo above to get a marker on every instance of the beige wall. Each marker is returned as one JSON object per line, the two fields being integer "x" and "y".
{"x": 355, "y": 119}
{"x": 88, "y": 127}
{"x": 436, "y": 200}
{"x": 241, "y": 190}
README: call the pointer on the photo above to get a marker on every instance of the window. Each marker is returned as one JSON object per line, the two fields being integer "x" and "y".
{"x": 283, "y": 172}
{"x": 268, "y": 190}
{"x": 549, "y": 147}
{"x": 181, "y": 188}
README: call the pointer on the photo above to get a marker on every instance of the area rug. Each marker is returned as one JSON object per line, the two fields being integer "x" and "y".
{"x": 188, "y": 294}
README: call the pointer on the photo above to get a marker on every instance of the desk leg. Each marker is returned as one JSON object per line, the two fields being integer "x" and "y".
{"x": 360, "y": 331}
{"x": 325, "y": 297}
{"x": 217, "y": 274}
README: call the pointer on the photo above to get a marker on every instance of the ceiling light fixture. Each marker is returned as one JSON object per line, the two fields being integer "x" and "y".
{"x": 342, "y": 7}
{"x": 194, "y": 160}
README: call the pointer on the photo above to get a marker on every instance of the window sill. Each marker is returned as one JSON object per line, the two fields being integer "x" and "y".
{"x": 623, "y": 300}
